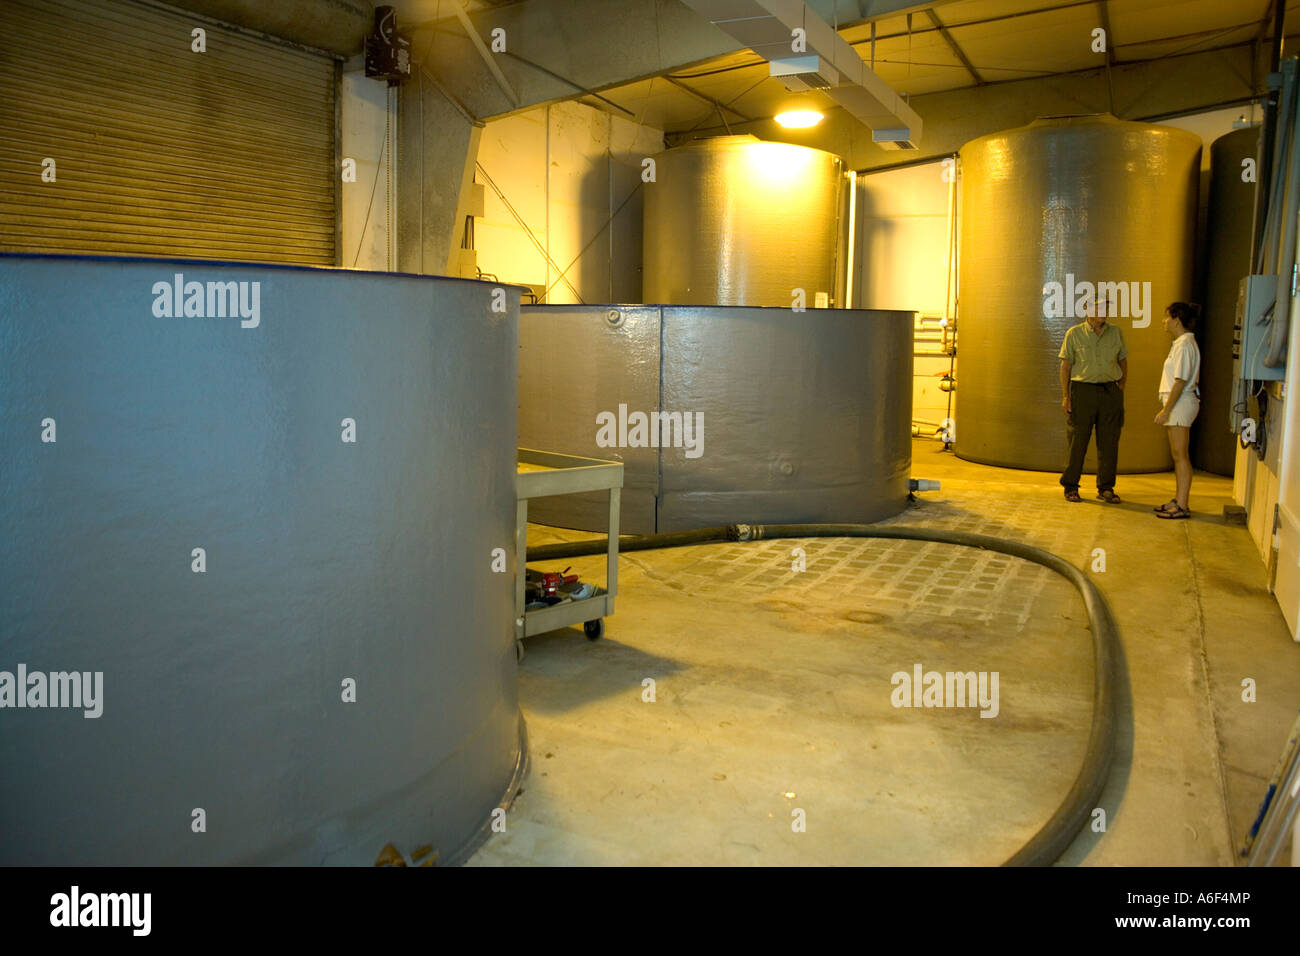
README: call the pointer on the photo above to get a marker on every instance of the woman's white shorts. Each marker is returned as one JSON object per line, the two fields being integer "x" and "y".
{"x": 1185, "y": 409}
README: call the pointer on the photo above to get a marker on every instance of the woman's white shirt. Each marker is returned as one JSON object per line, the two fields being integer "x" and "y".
{"x": 1184, "y": 361}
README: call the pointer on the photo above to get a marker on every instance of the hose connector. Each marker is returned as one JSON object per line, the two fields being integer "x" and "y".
{"x": 922, "y": 484}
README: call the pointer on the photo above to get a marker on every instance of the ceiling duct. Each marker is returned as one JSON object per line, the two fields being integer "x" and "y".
{"x": 824, "y": 61}
{"x": 804, "y": 73}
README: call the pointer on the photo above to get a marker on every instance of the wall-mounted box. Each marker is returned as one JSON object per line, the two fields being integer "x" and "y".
{"x": 1254, "y": 324}
{"x": 475, "y": 201}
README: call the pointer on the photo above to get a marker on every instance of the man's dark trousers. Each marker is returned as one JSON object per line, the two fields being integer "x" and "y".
{"x": 1100, "y": 406}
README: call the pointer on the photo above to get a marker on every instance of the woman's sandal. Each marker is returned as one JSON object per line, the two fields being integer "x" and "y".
{"x": 1176, "y": 512}
{"x": 1159, "y": 509}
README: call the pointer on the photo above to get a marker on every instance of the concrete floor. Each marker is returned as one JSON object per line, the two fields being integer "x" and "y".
{"x": 772, "y": 692}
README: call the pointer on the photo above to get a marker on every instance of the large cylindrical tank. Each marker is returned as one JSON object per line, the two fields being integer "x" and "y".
{"x": 1228, "y": 233}
{"x": 245, "y": 506}
{"x": 735, "y": 221}
{"x": 1067, "y": 200}
{"x": 802, "y": 417}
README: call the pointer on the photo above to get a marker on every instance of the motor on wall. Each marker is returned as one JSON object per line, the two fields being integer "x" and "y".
{"x": 388, "y": 54}
{"x": 1255, "y": 435}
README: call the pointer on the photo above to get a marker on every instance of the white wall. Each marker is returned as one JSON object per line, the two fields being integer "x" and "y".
{"x": 1210, "y": 126}
{"x": 1286, "y": 583}
{"x": 366, "y": 232}
{"x": 902, "y": 243}
{"x": 1270, "y": 489}
{"x": 565, "y": 169}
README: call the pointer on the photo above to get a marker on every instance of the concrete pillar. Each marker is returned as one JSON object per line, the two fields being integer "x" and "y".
{"x": 437, "y": 146}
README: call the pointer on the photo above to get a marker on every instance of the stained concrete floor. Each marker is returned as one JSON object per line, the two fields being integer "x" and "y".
{"x": 769, "y": 700}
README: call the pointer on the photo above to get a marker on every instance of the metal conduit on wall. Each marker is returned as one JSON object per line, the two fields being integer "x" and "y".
{"x": 734, "y": 221}
{"x": 1082, "y": 199}
{"x": 132, "y": 438}
{"x": 805, "y": 416}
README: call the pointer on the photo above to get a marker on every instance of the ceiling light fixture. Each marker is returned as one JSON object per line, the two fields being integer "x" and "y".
{"x": 798, "y": 119}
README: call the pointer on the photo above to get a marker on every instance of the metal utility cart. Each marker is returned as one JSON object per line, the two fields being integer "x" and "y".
{"x": 541, "y": 474}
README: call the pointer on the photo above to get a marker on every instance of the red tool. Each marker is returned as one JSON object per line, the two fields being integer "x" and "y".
{"x": 553, "y": 581}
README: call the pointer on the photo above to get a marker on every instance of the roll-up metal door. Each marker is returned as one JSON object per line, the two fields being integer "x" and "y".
{"x": 157, "y": 149}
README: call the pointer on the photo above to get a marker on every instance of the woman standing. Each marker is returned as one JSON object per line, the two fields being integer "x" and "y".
{"x": 1180, "y": 399}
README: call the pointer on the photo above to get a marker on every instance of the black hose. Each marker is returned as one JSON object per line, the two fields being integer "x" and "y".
{"x": 649, "y": 542}
{"x": 1052, "y": 839}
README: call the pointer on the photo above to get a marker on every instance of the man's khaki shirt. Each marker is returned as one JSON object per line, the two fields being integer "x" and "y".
{"x": 1093, "y": 357}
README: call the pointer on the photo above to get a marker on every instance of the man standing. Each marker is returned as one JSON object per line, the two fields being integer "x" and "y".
{"x": 1094, "y": 367}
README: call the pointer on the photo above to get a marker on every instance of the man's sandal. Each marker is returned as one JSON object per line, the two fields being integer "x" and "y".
{"x": 1109, "y": 497}
{"x": 1177, "y": 512}
{"x": 1166, "y": 506}
{"x": 1072, "y": 494}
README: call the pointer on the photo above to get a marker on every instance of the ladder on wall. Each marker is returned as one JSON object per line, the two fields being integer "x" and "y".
{"x": 1277, "y": 814}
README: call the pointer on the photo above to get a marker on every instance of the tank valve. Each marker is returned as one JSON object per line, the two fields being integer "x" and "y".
{"x": 922, "y": 484}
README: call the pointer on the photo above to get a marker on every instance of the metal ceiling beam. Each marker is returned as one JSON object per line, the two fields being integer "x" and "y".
{"x": 864, "y": 10}
{"x": 708, "y": 99}
{"x": 484, "y": 52}
{"x": 957, "y": 51}
{"x": 1104, "y": 6}
{"x": 1266, "y": 20}
{"x": 980, "y": 21}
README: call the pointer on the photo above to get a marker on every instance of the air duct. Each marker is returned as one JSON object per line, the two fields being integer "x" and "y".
{"x": 805, "y": 52}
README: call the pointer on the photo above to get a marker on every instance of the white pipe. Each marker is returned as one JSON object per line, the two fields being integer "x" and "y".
{"x": 952, "y": 215}
{"x": 848, "y": 265}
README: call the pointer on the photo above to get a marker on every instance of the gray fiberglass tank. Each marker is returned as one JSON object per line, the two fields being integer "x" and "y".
{"x": 1049, "y": 211}
{"x": 249, "y": 516}
{"x": 794, "y": 417}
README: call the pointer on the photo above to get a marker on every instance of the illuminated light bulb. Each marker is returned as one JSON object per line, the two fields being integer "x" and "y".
{"x": 799, "y": 119}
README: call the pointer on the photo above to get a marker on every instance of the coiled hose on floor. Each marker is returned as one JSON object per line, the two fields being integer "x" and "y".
{"x": 1076, "y": 808}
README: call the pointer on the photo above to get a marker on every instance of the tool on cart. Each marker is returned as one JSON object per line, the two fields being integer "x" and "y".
{"x": 546, "y": 586}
